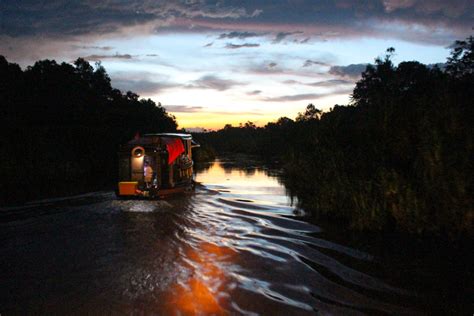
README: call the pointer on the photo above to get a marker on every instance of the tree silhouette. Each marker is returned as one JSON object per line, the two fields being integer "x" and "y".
{"x": 400, "y": 156}
{"x": 62, "y": 124}
{"x": 311, "y": 113}
{"x": 461, "y": 61}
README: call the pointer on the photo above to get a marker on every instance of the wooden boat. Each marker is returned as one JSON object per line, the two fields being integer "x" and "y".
{"x": 156, "y": 165}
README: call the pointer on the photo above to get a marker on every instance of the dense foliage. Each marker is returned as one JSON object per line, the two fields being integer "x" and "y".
{"x": 61, "y": 127}
{"x": 400, "y": 156}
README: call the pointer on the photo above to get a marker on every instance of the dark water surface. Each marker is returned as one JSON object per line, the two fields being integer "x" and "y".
{"x": 236, "y": 245}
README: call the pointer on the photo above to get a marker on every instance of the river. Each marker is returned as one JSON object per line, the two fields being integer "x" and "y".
{"x": 236, "y": 245}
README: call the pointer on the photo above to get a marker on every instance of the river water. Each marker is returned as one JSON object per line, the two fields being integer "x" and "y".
{"x": 236, "y": 245}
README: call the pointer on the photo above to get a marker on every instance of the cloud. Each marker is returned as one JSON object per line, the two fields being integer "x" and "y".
{"x": 105, "y": 48}
{"x": 213, "y": 82}
{"x": 116, "y": 56}
{"x": 426, "y": 21}
{"x": 452, "y": 9}
{"x": 352, "y": 71}
{"x": 208, "y": 44}
{"x": 307, "y": 96}
{"x": 330, "y": 83}
{"x": 63, "y": 17}
{"x": 267, "y": 67}
{"x": 183, "y": 108}
{"x": 304, "y": 41}
{"x": 323, "y": 83}
{"x": 141, "y": 82}
{"x": 392, "y": 5}
{"x": 254, "y": 92}
{"x": 295, "y": 97}
{"x": 282, "y": 35}
{"x": 237, "y": 46}
{"x": 239, "y": 35}
{"x": 291, "y": 81}
{"x": 151, "y": 55}
{"x": 142, "y": 87}
{"x": 309, "y": 63}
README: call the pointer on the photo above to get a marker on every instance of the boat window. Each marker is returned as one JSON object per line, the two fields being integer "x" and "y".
{"x": 138, "y": 151}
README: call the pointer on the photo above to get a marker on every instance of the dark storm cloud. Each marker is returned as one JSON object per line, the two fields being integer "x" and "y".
{"x": 351, "y": 71}
{"x": 212, "y": 82}
{"x": 414, "y": 20}
{"x": 239, "y": 35}
{"x": 237, "y": 46}
{"x": 64, "y": 17}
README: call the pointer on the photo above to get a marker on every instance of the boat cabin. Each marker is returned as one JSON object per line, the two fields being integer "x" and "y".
{"x": 155, "y": 165}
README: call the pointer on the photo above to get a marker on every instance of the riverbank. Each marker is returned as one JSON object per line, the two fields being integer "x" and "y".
{"x": 397, "y": 158}
{"x": 433, "y": 266}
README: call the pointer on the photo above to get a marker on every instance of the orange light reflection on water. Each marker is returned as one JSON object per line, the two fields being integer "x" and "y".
{"x": 217, "y": 174}
{"x": 199, "y": 295}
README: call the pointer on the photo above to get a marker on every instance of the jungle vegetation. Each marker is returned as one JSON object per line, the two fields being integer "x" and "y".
{"x": 61, "y": 125}
{"x": 399, "y": 157}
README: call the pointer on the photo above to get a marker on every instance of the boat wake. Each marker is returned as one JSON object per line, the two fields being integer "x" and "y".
{"x": 235, "y": 246}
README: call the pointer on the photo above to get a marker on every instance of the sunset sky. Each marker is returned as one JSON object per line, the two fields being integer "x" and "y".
{"x": 215, "y": 62}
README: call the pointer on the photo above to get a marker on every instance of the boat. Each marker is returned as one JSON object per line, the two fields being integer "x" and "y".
{"x": 155, "y": 165}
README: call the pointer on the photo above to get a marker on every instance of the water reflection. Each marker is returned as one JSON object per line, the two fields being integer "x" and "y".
{"x": 204, "y": 291}
{"x": 235, "y": 246}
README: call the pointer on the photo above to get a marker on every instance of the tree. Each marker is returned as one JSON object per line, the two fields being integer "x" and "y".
{"x": 461, "y": 61}
{"x": 84, "y": 69}
{"x": 250, "y": 125}
{"x": 101, "y": 80}
{"x": 311, "y": 113}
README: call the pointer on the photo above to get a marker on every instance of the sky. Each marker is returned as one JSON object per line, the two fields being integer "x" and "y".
{"x": 212, "y": 63}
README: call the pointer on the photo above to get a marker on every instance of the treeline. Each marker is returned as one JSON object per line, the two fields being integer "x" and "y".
{"x": 399, "y": 157}
{"x": 61, "y": 126}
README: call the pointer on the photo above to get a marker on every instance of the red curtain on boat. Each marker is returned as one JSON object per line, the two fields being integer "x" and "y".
{"x": 175, "y": 147}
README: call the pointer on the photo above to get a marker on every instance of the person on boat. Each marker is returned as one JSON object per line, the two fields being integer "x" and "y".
{"x": 148, "y": 175}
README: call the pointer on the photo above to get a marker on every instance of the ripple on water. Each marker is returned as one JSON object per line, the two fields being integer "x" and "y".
{"x": 274, "y": 266}
{"x": 231, "y": 248}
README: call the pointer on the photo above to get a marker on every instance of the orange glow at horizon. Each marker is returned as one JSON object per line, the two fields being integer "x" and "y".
{"x": 215, "y": 121}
